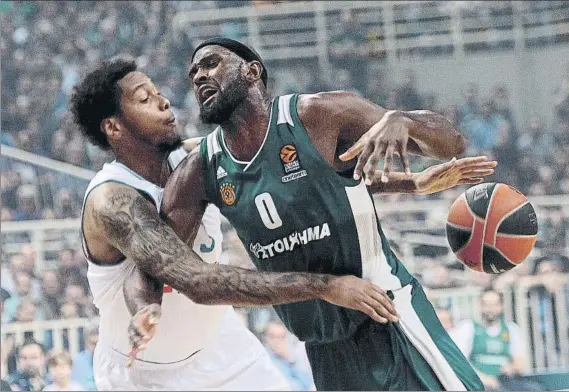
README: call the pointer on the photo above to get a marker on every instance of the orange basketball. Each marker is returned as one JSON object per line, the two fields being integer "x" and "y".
{"x": 491, "y": 227}
{"x": 288, "y": 153}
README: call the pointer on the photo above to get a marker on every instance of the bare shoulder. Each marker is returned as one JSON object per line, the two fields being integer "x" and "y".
{"x": 108, "y": 217}
{"x": 324, "y": 103}
{"x": 110, "y": 197}
{"x": 112, "y": 208}
{"x": 186, "y": 184}
{"x": 184, "y": 201}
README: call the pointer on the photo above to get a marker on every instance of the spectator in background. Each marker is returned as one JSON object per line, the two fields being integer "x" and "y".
{"x": 22, "y": 290}
{"x": 67, "y": 311}
{"x": 59, "y": 367}
{"x": 4, "y": 295}
{"x": 276, "y": 338}
{"x": 493, "y": 346}
{"x": 30, "y": 375}
{"x": 445, "y": 317}
{"x": 4, "y": 386}
{"x": 536, "y": 141}
{"x": 470, "y": 108}
{"x": 547, "y": 280}
{"x": 75, "y": 296}
{"x": 51, "y": 295}
{"x": 342, "y": 80}
{"x": 82, "y": 370}
{"x": 26, "y": 312}
{"x": 408, "y": 98}
{"x": 501, "y": 98}
{"x": 27, "y": 207}
{"x": 69, "y": 271}
{"x": 19, "y": 263}
{"x": 561, "y": 98}
{"x": 506, "y": 153}
{"x": 66, "y": 205}
{"x": 482, "y": 129}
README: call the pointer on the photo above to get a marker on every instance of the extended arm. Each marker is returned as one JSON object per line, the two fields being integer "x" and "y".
{"x": 350, "y": 116}
{"x": 132, "y": 225}
{"x": 141, "y": 290}
{"x": 437, "y": 178}
{"x": 376, "y": 133}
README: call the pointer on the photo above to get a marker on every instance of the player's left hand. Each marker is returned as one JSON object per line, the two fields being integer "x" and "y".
{"x": 385, "y": 138}
{"x": 142, "y": 329}
{"x": 465, "y": 171}
{"x": 190, "y": 144}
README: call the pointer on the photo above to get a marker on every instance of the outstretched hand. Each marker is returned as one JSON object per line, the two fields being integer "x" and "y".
{"x": 142, "y": 329}
{"x": 465, "y": 171}
{"x": 385, "y": 138}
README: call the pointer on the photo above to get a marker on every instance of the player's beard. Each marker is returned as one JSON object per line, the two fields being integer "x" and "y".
{"x": 227, "y": 100}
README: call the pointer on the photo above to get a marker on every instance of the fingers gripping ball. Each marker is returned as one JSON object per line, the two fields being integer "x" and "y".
{"x": 491, "y": 227}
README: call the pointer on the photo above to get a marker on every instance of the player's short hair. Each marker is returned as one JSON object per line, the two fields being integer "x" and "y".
{"x": 59, "y": 358}
{"x": 97, "y": 97}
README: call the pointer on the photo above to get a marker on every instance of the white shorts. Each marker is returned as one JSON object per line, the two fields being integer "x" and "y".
{"x": 236, "y": 361}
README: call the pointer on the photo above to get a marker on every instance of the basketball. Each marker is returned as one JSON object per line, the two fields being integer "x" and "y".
{"x": 491, "y": 227}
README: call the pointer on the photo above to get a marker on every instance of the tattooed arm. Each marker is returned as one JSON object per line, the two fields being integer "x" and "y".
{"x": 140, "y": 290}
{"x": 131, "y": 224}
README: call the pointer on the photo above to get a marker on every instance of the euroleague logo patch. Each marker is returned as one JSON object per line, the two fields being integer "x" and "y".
{"x": 227, "y": 191}
{"x": 291, "y": 163}
{"x": 288, "y": 153}
{"x": 289, "y": 156}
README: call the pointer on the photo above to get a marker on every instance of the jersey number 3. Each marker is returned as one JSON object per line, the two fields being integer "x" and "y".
{"x": 268, "y": 211}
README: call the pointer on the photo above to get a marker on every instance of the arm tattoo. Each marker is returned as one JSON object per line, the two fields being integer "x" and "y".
{"x": 133, "y": 226}
{"x": 140, "y": 290}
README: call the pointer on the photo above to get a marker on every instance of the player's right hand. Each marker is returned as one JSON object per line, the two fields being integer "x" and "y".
{"x": 360, "y": 294}
{"x": 142, "y": 329}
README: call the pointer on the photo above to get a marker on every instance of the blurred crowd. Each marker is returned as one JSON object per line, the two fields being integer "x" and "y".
{"x": 47, "y": 46}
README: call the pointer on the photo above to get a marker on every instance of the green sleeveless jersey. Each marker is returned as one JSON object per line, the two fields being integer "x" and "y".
{"x": 490, "y": 353}
{"x": 294, "y": 212}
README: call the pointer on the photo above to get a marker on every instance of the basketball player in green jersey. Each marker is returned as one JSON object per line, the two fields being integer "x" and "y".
{"x": 272, "y": 169}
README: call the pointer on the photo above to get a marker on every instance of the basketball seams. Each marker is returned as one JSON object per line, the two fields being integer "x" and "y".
{"x": 504, "y": 256}
{"x": 473, "y": 228}
{"x": 498, "y": 251}
{"x": 488, "y": 209}
{"x": 506, "y": 235}
{"x": 513, "y": 211}
{"x": 463, "y": 196}
{"x": 459, "y": 227}
{"x": 462, "y": 203}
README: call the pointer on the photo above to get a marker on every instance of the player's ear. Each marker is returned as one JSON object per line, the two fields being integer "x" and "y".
{"x": 254, "y": 71}
{"x": 111, "y": 127}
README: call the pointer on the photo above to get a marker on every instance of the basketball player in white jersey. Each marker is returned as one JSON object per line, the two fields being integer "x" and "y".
{"x": 194, "y": 346}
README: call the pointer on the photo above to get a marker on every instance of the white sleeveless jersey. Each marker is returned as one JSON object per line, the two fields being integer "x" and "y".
{"x": 185, "y": 327}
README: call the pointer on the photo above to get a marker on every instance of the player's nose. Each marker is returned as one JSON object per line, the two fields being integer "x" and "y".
{"x": 200, "y": 77}
{"x": 164, "y": 103}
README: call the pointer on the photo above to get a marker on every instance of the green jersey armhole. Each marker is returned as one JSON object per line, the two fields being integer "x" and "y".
{"x": 208, "y": 174}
